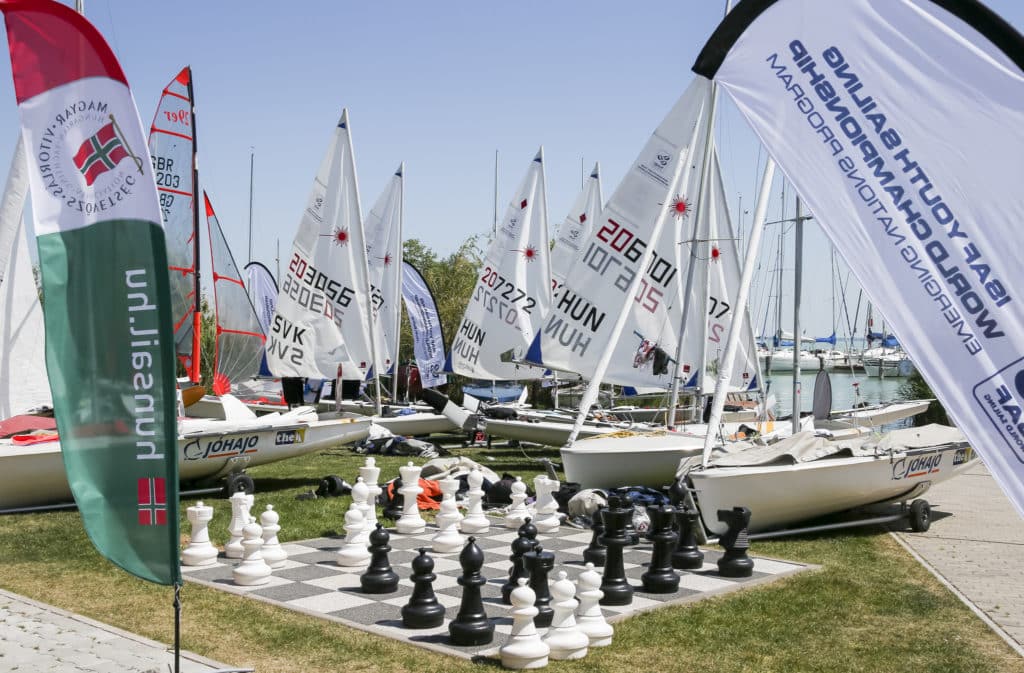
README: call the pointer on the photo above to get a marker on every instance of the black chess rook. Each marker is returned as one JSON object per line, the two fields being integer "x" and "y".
{"x": 617, "y": 589}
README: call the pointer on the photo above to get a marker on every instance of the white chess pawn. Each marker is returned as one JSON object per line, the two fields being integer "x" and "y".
{"x": 518, "y": 512}
{"x": 354, "y": 553}
{"x": 476, "y": 521}
{"x": 410, "y": 523}
{"x": 547, "y": 520}
{"x": 241, "y": 503}
{"x": 370, "y": 474}
{"x": 449, "y": 488}
{"x": 589, "y": 617}
{"x": 524, "y": 648}
{"x": 200, "y": 551}
{"x": 448, "y": 539}
{"x": 360, "y": 498}
{"x": 273, "y": 553}
{"x": 253, "y": 570}
{"x": 564, "y": 637}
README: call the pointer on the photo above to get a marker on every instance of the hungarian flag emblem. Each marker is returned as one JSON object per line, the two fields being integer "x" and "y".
{"x": 152, "y": 502}
{"x": 99, "y": 154}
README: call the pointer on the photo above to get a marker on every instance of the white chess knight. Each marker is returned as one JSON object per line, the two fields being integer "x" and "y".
{"x": 273, "y": 553}
{"x": 410, "y": 523}
{"x": 200, "y": 551}
{"x": 253, "y": 570}
{"x": 518, "y": 511}
{"x": 448, "y": 539}
{"x": 547, "y": 520}
{"x": 475, "y": 521}
{"x": 370, "y": 474}
{"x": 589, "y": 617}
{"x": 524, "y": 649}
{"x": 241, "y": 504}
{"x": 354, "y": 553}
{"x": 564, "y": 637}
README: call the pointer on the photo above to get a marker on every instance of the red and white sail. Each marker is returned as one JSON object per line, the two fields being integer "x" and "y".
{"x": 239, "y": 335}
{"x": 172, "y": 148}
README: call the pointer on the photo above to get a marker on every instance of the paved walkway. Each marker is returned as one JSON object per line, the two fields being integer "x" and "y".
{"x": 976, "y": 547}
{"x": 38, "y": 638}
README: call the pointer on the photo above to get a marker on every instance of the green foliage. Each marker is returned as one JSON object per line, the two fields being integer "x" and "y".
{"x": 916, "y": 388}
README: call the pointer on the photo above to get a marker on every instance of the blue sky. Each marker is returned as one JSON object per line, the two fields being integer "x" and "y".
{"x": 440, "y": 86}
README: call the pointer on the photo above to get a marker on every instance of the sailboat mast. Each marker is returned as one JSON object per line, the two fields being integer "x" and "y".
{"x": 397, "y": 299}
{"x": 252, "y": 163}
{"x": 798, "y": 279}
{"x": 197, "y": 311}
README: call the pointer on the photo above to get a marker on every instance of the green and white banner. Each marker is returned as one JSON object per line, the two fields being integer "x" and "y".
{"x": 109, "y": 338}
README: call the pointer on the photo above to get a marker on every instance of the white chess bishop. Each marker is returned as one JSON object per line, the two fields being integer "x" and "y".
{"x": 476, "y": 521}
{"x": 273, "y": 553}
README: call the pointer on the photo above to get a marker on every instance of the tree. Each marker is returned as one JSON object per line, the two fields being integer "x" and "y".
{"x": 916, "y": 388}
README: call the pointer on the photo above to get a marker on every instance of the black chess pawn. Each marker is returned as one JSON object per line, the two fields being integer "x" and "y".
{"x": 520, "y": 546}
{"x": 540, "y": 563}
{"x": 660, "y": 578}
{"x": 379, "y": 578}
{"x": 617, "y": 590}
{"x": 396, "y": 504}
{"x": 735, "y": 562}
{"x": 596, "y": 552}
{"x": 530, "y": 531}
{"x": 423, "y": 611}
{"x": 687, "y": 555}
{"x": 471, "y": 626}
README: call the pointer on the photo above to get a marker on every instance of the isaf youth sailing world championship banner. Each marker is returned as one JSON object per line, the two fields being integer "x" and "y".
{"x": 901, "y": 124}
{"x": 109, "y": 338}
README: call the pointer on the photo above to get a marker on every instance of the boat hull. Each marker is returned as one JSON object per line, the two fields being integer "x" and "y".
{"x": 638, "y": 460}
{"x": 34, "y": 475}
{"x": 780, "y": 496}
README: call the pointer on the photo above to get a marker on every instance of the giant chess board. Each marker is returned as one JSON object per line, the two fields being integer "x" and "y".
{"x": 313, "y": 583}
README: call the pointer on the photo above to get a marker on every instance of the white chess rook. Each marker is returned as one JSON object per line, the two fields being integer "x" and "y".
{"x": 253, "y": 570}
{"x": 476, "y": 521}
{"x": 273, "y": 553}
{"x": 200, "y": 551}
{"x": 410, "y": 523}
{"x": 564, "y": 637}
{"x": 241, "y": 503}
{"x": 354, "y": 553}
{"x": 589, "y": 617}
{"x": 517, "y": 512}
{"x": 524, "y": 648}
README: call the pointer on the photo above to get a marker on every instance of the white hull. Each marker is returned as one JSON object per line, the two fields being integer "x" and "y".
{"x": 412, "y": 425}
{"x": 779, "y": 496}
{"x": 34, "y": 475}
{"x": 550, "y": 433}
{"x": 641, "y": 460}
{"x": 881, "y": 414}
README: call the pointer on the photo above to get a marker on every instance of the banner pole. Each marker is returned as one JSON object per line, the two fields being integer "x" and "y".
{"x": 177, "y": 627}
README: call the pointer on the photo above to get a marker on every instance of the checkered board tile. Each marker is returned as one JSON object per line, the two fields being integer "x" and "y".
{"x": 313, "y": 583}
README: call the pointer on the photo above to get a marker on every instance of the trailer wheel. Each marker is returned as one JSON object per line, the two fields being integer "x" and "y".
{"x": 239, "y": 481}
{"x": 920, "y": 516}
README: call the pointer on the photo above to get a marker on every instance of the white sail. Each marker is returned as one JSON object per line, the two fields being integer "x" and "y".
{"x": 662, "y": 185}
{"x": 23, "y": 381}
{"x": 319, "y": 323}
{"x": 576, "y": 227}
{"x": 724, "y": 268}
{"x": 384, "y": 255}
{"x": 513, "y": 290}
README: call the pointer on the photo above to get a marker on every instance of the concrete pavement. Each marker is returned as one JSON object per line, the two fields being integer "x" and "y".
{"x": 976, "y": 547}
{"x": 38, "y": 638}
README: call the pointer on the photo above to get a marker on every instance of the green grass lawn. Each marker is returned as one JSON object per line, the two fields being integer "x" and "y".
{"x": 870, "y": 608}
